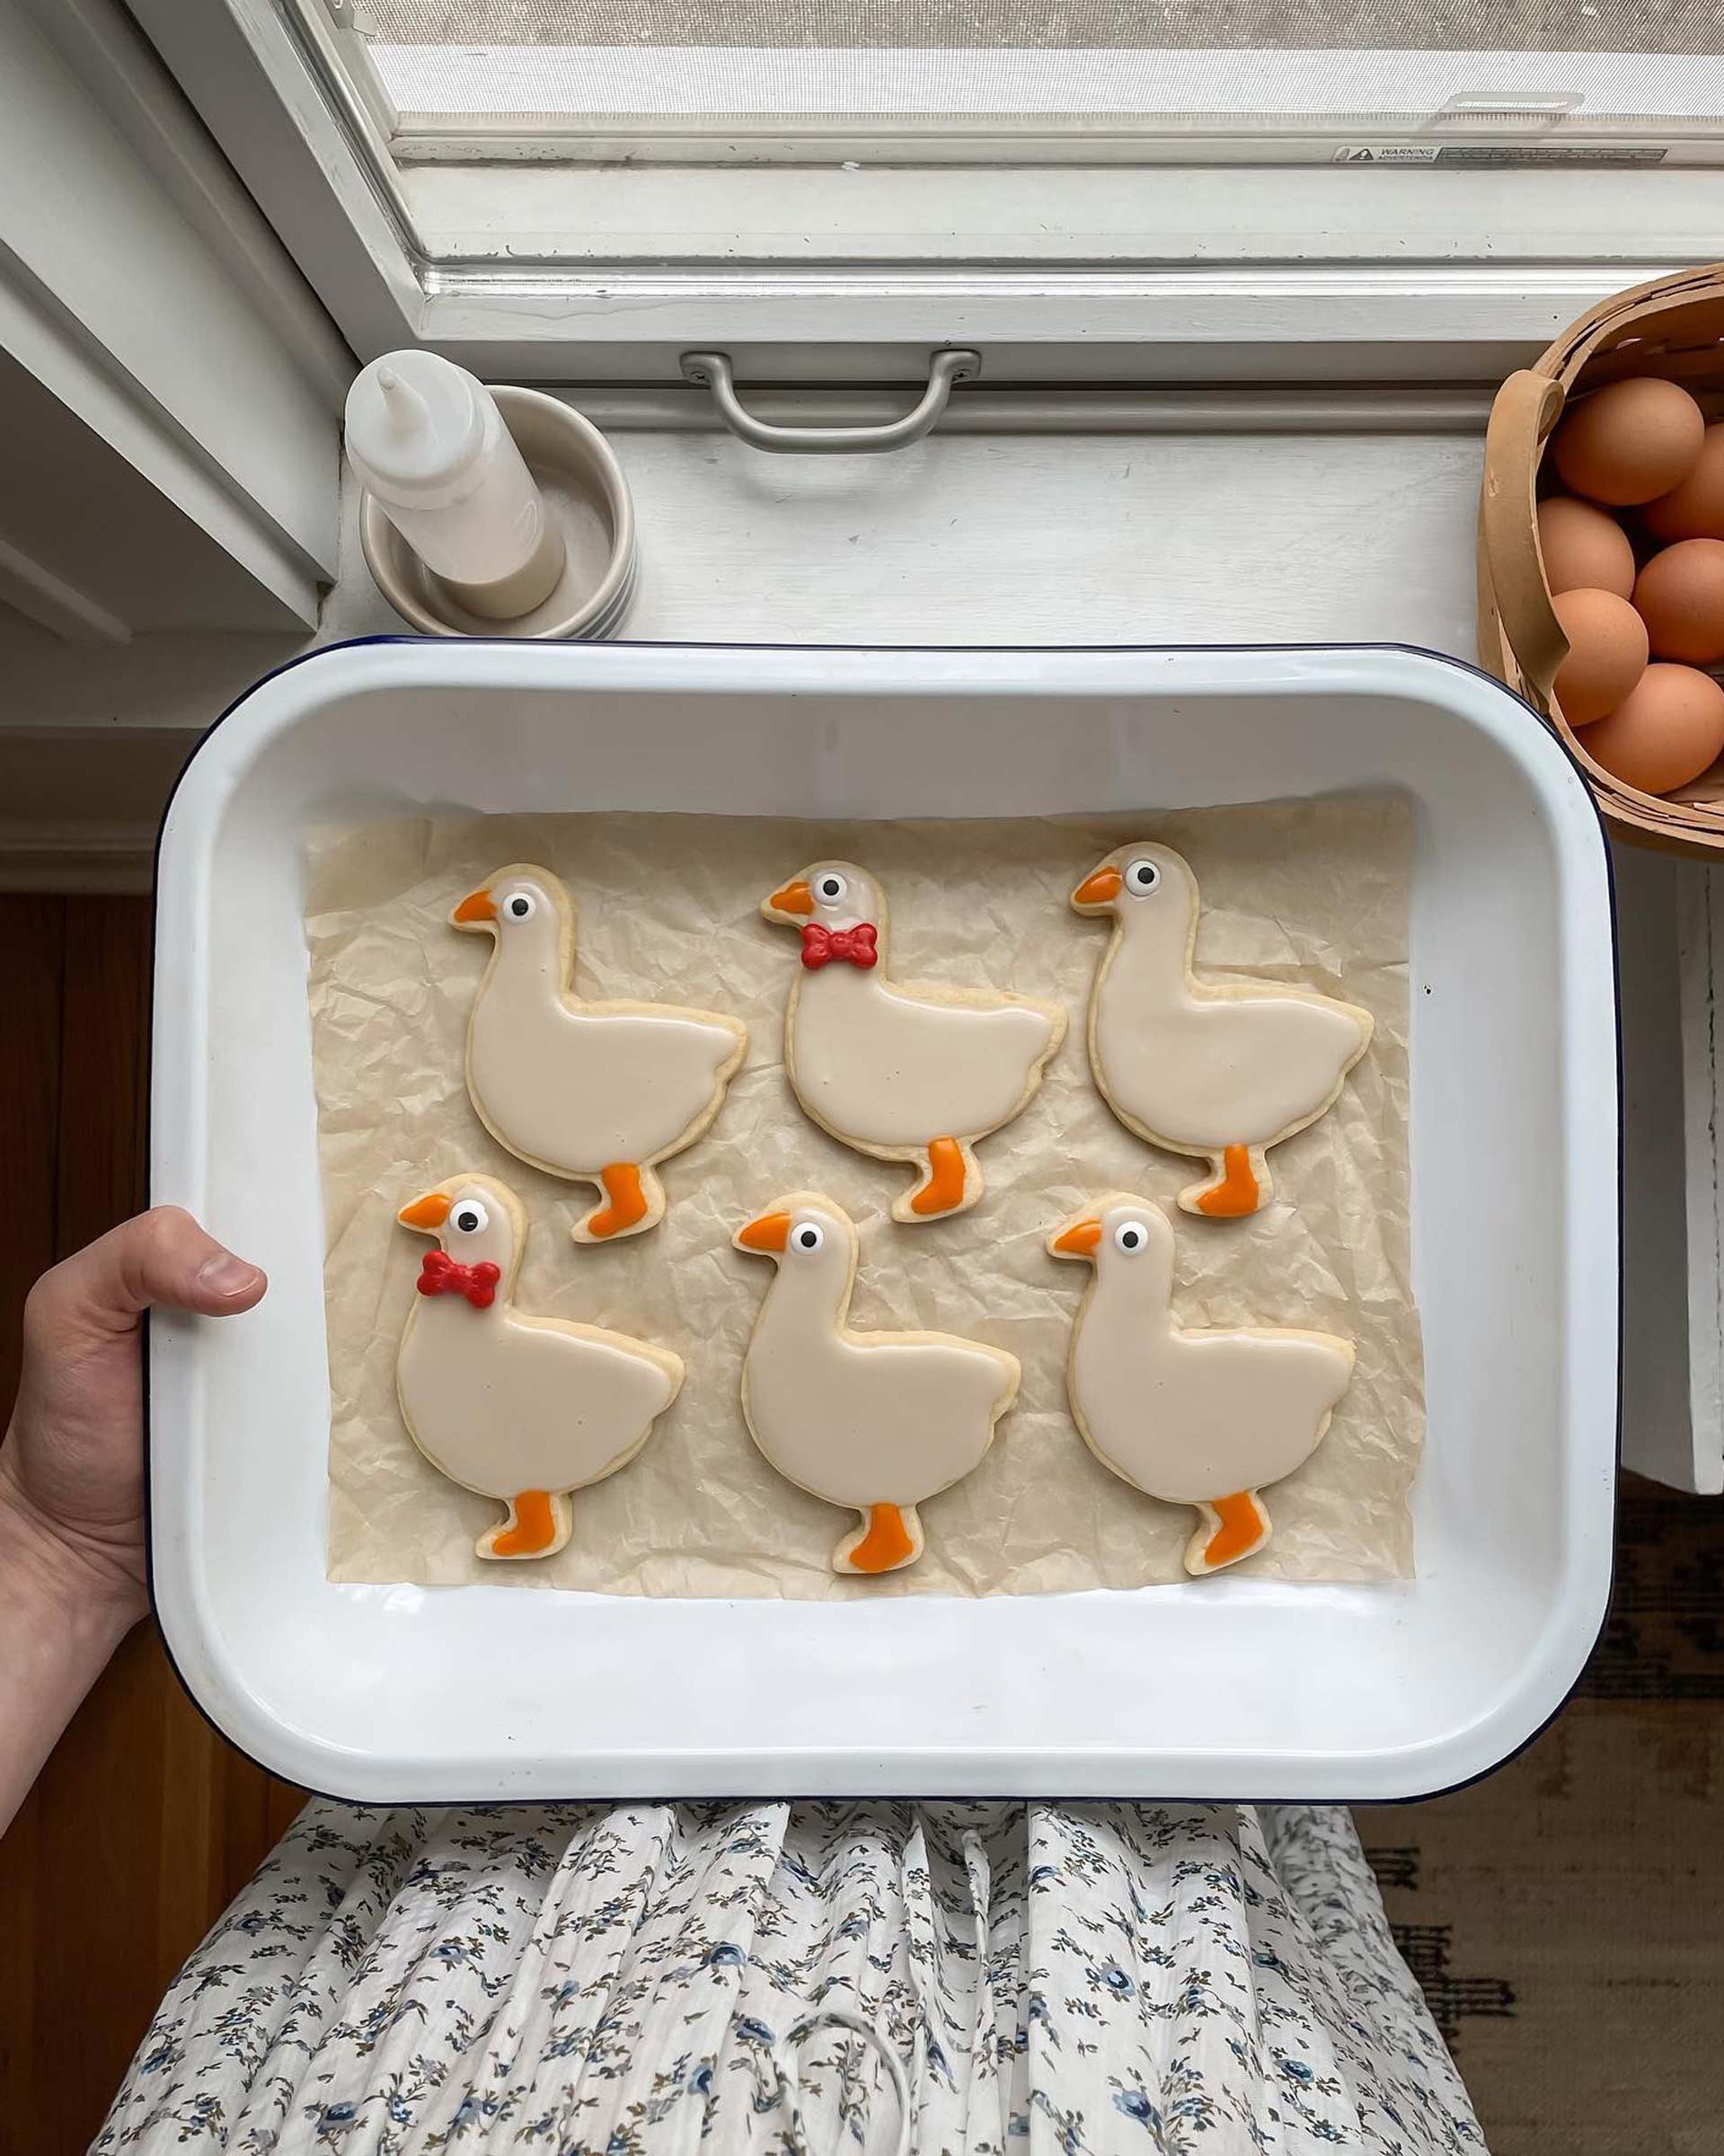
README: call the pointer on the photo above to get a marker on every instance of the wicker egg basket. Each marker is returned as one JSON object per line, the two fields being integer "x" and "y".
{"x": 1675, "y": 327}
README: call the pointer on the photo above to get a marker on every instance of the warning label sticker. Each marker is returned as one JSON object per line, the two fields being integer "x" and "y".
{"x": 1394, "y": 152}
{"x": 1498, "y": 155}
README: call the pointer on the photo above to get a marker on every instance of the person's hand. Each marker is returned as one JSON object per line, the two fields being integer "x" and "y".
{"x": 71, "y": 1467}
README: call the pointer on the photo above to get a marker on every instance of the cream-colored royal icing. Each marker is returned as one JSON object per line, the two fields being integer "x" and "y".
{"x": 1197, "y": 1067}
{"x": 861, "y": 1419}
{"x": 509, "y": 1405}
{"x": 596, "y": 1092}
{"x": 894, "y": 1069}
{"x": 1194, "y": 1418}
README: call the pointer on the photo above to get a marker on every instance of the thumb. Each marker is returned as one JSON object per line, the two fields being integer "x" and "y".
{"x": 162, "y": 1256}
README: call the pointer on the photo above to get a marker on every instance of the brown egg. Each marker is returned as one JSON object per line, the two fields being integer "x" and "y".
{"x": 1668, "y": 729}
{"x": 1694, "y": 509}
{"x": 1583, "y": 549}
{"x": 1631, "y": 442}
{"x": 1680, "y": 597}
{"x": 1606, "y": 653}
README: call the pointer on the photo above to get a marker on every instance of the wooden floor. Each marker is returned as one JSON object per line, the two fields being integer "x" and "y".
{"x": 1563, "y": 1915}
{"x": 145, "y": 1823}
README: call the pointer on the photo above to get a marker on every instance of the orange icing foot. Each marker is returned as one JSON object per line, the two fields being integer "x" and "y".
{"x": 943, "y": 1192}
{"x": 532, "y": 1529}
{"x": 1236, "y": 1194}
{"x": 628, "y": 1205}
{"x": 887, "y": 1544}
{"x": 1244, "y": 1527}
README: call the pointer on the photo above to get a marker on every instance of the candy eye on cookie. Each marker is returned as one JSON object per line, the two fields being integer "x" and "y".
{"x": 497, "y": 905}
{"x": 830, "y": 889}
{"x": 469, "y": 1217}
{"x": 783, "y": 1233}
{"x": 1142, "y": 877}
{"x": 1131, "y": 1236}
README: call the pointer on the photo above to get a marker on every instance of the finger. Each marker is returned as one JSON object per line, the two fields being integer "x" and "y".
{"x": 160, "y": 1257}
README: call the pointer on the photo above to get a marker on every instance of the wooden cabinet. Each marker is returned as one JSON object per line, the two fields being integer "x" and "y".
{"x": 145, "y": 1823}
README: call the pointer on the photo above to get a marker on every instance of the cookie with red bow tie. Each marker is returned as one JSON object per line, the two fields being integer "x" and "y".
{"x": 915, "y": 1073}
{"x": 520, "y": 1408}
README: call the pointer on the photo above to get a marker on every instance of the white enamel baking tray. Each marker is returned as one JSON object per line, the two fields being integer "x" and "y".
{"x": 1227, "y": 1687}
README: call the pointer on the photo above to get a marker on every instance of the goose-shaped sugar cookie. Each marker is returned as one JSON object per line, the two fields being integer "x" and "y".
{"x": 905, "y": 1073}
{"x": 879, "y": 1421}
{"x": 600, "y": 1093}
{"x": 1223, "y": 1071}
{"x": 1203, "y": 1419}
{"x": 522, "y": 1409}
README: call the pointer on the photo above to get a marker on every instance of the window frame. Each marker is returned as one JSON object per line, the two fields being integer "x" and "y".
{"x": 557, "y": 270}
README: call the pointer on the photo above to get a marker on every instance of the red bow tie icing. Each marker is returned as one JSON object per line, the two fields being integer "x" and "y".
{"x": 821, "y": 945}
{"x": 441, "y": 1275}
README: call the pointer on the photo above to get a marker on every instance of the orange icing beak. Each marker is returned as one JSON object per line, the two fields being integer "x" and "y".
{"x": 427, "y": 1213}
{"x": 477, "y": 906}
{"x": 792, "y": 898}
{"x": 1099, "y": 886}
{"x": 1078, "y": 1241}
{"x": 771, "y": 1232}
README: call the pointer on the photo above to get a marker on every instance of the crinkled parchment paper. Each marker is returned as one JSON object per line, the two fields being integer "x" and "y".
{"x": 668, "y": 907}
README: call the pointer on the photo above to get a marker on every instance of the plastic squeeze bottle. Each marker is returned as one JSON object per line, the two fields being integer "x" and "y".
{"x": 427, "y": 440}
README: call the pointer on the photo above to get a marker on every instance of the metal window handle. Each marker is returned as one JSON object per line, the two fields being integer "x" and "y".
{"x": 713, "y": 369}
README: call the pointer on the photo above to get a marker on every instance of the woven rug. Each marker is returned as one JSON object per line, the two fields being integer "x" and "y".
{"x": 1566, "y": 1915}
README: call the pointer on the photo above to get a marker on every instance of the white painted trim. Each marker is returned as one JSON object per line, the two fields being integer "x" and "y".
{"x": 81, "y": 799}
{"x": 133, "y": 317}
{"x": 569, "y": 86}
{"x": 1060, "y": 274}
{"x": 1700, "y": 927}
{"x": 1049, "y": 220}
{"x": 62, "y": 858}
{"x": 1658, "y": 1423}
{"x": 88, "y": 379}
{"x": 1126, "y": 413}
{"x": 1219, "y": 327}
{"x": 111, "y": 58}
{"x": 52, "y": 603}
{"x": 324, "y": 184}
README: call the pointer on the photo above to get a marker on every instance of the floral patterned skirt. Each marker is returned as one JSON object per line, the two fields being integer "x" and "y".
{"x": 1091, "y": 1979}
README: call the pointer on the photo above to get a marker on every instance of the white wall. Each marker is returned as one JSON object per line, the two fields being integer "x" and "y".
{"x": 170, "y": 393}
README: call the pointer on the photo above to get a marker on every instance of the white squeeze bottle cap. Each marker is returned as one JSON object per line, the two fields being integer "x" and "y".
{"x": 428, "y": 441}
